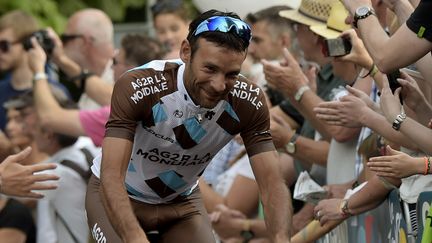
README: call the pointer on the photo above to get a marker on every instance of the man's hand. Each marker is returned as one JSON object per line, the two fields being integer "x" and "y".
{"x": 37, "y": 57}
{"x": 413, "y": 97}
{"x": 227, "y": 223}
{"x": 280, "y": 130}
{"x": 396, "y": 164}
{"x": 390, "y": 103}
{"x": 287, "y": 77}
{"x": 58, "y": 51}
{"x": 328, "y": 209}
{"x": 20, "y": 180}
{"x": 348, "y": 111}
{"x": 358, "y": 54}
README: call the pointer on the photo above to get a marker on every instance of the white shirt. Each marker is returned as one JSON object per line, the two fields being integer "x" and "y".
{"x": 67, "y": 200}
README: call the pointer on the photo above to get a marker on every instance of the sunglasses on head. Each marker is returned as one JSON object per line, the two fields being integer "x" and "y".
{"x": 66, "y": 37}
{"x": 225, "y": 24}
{"x": 5, "y": 45}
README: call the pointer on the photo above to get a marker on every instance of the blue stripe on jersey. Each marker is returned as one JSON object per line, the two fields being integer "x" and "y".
{"x": 172, "y": 179}
{"x": 159, "y": 114}
{"x": 228, "y": 108}
{"x": 131, "y": 168}
{"x": 194, "y": 129}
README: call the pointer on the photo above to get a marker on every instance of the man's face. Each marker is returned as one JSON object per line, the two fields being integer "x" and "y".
{"x": 211, "y": 73}
{"x": 15, "y": 129}
{"x": 11, "y": 50}
{"x": 307, "y": 41}
{"x": 74, "y": 47}
{"x": 264, "y": 45}
{"x": 171, "y": 30}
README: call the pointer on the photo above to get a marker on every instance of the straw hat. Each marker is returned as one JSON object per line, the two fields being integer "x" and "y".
{"x": 335, "y": 23}
{"x": 310, "y": 12}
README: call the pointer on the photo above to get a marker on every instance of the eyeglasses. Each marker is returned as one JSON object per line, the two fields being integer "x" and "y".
{"x": 5, "y": 45}
{"x": 65, "y": 38}
{"x": 225, "y": 24}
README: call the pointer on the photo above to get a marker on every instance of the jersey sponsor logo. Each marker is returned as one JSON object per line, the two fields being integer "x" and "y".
{"x": 178, "y": 113}
{"x": 246, "y": 91}
{"x": 157, "y": 135}
{"x": 98, "y": 235}
{"x": 148, "y": 85}
{"x": 165, "y": 157}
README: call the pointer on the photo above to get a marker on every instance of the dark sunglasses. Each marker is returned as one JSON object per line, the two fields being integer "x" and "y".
{"x": 225, "y": 24}
{"x": 66, "y": 38}
{"x": 5, "y": 45}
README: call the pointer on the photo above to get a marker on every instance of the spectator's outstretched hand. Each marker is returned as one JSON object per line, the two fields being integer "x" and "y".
{"x": 227, "y": 222}
{"x": 411, "y": 93}
{"x": 395, "y": 164}
{"x": 58, "y": 51}
{"x": 329, "y": 209}
{"x": 287, "y": 76}
{"x": 21, "y": 180}
{"x": 348, "y": 111}
{"x": 280, "y": 130}
{"x": 390, "y": 103}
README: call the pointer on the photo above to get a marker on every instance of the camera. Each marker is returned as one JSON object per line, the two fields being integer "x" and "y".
{"x": 393, "y": 83}
{"x": 336, "y": 47}
{"x": 44, "y": 40}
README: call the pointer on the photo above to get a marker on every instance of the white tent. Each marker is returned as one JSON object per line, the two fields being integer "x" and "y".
{"x": 242, "y": 7}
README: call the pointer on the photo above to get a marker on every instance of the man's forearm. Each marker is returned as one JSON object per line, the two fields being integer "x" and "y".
{"x": 371, "y": 195}
{"x": 119, "y": 209}
{"x": 277, "y": 204}
{"x": 403, "y": 9}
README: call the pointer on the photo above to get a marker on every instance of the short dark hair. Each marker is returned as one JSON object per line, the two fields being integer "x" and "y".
{"x": 141, "y": 49}
{"x": 272, "y": 18}
{"x": 229, "y": 40}
{"x": 176, "y": 7}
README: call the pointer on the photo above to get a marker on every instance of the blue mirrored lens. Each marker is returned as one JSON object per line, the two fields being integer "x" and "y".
{"x": 225, "y": 24}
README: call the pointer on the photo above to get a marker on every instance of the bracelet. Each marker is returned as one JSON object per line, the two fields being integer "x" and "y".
{"x": 426, "y": 165}
{"x": 39, "y": 76}
{"x": 344, "y": 208}
{"x": 398, "y": 121}
{"x": 372, "y": 71}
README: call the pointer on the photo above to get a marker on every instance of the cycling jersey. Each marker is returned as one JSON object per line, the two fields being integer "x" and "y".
{"x": 173, "y": 138}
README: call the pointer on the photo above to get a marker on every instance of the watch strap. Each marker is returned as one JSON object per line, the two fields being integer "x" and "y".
{"x": 358, "y": 17}
{"x": 398, "y": 121}
{"x": 299, "y": 94}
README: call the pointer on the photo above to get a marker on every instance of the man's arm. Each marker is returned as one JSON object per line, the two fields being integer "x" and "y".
{"x": 388, "y": 53}
{"x": 116, "y": 154}
{"x": 274, "y": 193}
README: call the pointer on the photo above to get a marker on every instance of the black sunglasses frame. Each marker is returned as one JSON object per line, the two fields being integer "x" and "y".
{"x": 65, "y": 38}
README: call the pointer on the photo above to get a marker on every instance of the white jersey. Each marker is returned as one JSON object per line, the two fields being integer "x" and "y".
{"x": 174, "y": 139}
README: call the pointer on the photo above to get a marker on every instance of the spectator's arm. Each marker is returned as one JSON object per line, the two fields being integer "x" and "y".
{"x": 12, "y": 235}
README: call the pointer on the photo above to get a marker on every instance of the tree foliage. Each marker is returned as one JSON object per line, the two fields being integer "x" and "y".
{"x": 54, "y": 13}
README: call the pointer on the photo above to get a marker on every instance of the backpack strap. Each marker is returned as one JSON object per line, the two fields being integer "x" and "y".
{"x": 85, "y": 174}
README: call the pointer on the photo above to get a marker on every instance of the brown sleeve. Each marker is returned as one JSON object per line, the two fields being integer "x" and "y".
{"x": 256, "y": 129}
{"x": 125, "y": 109}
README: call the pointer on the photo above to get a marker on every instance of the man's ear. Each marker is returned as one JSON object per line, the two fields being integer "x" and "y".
{"x": 185, "y": 51}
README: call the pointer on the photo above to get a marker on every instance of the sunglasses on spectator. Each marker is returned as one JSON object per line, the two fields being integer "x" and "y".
{"x": 67, "y": 38}
{"x": 5, "y": 45}
{"x": 225, "y": 24}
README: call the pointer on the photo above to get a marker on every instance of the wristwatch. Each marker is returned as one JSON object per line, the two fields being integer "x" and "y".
{"x": 344, "y": 208}
{"x": 291, "y": 145}
{"x": 299, "y": 94}
{"x": 247, "y": 233}
{"x": 362, "y": 13}
{"x": 398, "y": 121}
